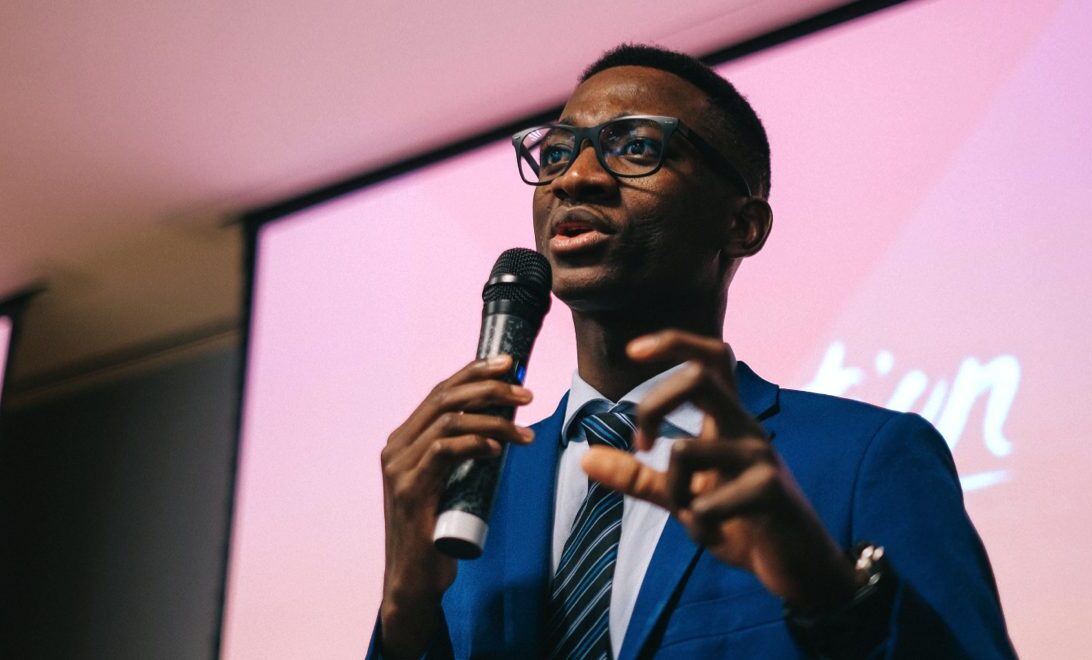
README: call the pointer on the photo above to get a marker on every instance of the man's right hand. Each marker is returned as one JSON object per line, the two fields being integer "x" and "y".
{"x": 417, "y": 461}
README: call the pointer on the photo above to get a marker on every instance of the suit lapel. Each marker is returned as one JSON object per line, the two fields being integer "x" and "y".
{"x": 675, "y": 554}
{"x": 672, "y": 561}
{"x": 530, "y": 476}
{"x": 758, "y": 396}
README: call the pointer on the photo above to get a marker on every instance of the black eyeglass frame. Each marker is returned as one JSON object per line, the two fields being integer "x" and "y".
{"x": 669, "y": 125}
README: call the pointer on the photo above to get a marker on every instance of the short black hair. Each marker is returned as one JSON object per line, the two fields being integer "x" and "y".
{"x": 738, "y": 119}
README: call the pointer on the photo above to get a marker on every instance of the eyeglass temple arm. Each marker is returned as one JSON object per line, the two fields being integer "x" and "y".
{"x": 715, "y": 155}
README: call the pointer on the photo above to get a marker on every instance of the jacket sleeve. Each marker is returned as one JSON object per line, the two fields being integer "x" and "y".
{"x": 907, "y": 498}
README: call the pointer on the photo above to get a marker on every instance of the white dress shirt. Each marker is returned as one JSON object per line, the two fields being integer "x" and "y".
{"x": 642, "y": 522}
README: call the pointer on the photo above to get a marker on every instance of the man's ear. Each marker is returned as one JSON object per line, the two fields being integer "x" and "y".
{"x": 749, "y": 228}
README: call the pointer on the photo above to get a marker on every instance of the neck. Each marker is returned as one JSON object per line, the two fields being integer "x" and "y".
{"x": 602, "y": 336}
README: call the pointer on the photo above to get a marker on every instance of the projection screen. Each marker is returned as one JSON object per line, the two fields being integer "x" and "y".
{"x": 5, "y": 343}
{"x": 931, "y": 195}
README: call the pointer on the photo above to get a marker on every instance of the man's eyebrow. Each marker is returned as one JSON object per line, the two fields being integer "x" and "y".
{"x": 571, "y": 122}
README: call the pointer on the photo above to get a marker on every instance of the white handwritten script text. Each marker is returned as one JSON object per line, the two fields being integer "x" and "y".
{"x": 948, "y": 407}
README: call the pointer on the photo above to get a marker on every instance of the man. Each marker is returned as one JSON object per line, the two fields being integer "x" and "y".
{"x": 743, "y": 501}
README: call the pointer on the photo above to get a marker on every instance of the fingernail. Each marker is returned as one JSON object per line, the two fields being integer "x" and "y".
{"x": 643, "y": 344}
{"x": 527, "y": 433}
{"x": 498, "y": 360}
{"x": 522, "y": 393}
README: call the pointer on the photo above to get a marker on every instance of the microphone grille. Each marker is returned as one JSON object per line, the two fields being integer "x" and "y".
{"x": 533, "y": 279}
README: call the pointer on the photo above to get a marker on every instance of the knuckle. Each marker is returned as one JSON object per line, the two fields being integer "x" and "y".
{"x": 449, "y": 422}
{"x": 640, "y": 481}
{"x": 753, "y": 452}
{"x": 670, "y": 336}
{"x": 680, "y": 450}
{"x": 767, "y": 480}
{"x": 438, "y": 396}
{"x": 402, "y": 490}
{"x": 725, "y": 356}
{"x": 694, "y": 371}
{"x": 439, "y": 449}
{"x": 499, "y": 426}
{"x": 386, "y": 455}
{"x": 764, "y": 452}
{"x": 706, "y": 374}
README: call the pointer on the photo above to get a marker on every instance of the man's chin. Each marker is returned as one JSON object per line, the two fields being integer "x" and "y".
{"x": 591, "y": 293}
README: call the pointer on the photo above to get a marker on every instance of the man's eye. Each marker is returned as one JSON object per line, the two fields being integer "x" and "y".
{"x": 641, "y": 147}
{"x": 554, "y": 154}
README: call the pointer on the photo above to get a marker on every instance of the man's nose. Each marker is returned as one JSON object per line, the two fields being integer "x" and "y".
{"x": 586, "y": 177}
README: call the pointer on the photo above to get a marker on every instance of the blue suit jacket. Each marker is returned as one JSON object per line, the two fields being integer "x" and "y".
{"x": 871, "y": 474}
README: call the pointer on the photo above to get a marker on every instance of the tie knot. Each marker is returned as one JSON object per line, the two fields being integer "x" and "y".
{"x": 614, "y": 429}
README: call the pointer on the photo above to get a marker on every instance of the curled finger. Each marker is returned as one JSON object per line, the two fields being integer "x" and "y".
{"x": 680, "y": 346}
{"x": 443, "y": 454}
{"x": 479, "y": 395}
{"x": 750, "y": 491}
{"x": 727, "y": 459}
{"x": 477, "y": 370}
{"x": 694, "y": 383}
{"x": 453, "y": 424}
{"x": 497, "y": 428}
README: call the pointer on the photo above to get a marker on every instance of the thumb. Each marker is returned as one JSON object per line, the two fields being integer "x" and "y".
{"x": 621, "y": 471}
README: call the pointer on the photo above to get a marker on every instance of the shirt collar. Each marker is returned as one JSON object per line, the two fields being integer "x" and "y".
{"x": 585, "y": 399}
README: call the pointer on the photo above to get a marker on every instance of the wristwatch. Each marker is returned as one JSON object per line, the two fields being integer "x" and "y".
{"x": 869, "y": 561}
{"x": 855, "y": 629}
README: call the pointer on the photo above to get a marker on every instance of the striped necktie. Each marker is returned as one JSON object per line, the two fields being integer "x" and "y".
{"x": 580, "y": 593}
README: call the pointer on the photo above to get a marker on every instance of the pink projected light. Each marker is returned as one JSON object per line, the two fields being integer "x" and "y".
{"x": 5, "y": 342}
{"x": 931, "y": 186}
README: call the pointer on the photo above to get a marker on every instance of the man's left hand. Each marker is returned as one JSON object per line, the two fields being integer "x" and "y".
{"x": 728, "y": 486}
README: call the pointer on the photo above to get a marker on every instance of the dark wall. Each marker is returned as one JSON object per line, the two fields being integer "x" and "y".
{"x": 114, "y": 504}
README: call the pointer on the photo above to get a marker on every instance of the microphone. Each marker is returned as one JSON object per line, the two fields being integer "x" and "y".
{"x": 516, "y": 298}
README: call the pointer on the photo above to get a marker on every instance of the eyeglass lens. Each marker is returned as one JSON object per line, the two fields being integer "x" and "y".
{"x": 628, "y": 147}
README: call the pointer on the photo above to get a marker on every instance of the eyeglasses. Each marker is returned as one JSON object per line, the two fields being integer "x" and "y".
{"x": 630, "y": 146}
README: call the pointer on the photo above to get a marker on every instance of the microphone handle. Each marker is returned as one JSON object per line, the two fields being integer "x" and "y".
{"x": 463, "y": 523}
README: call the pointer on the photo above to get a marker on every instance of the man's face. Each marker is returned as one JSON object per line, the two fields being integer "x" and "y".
{"x": 615, "y": 242}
